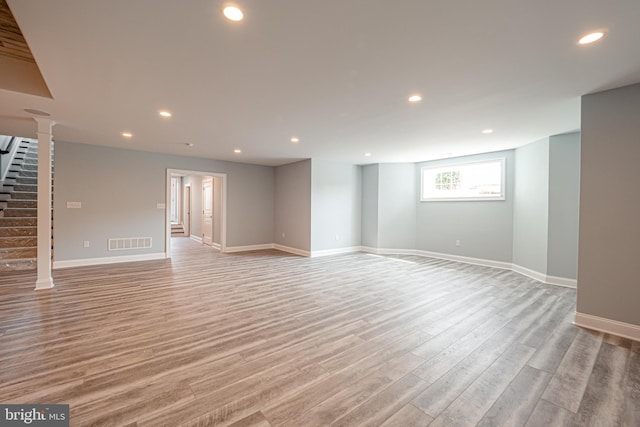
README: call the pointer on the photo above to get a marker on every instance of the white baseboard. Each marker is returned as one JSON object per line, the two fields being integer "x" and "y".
{"x": 107, "y": 260}
{"x": 438, "y": 255}
{"x": 540, "y": 277}
{"x": 336, "y": 251}
{"x": 551, "y": 280}
{"x": 387, "y": 251}
{"x": 465, "y": 259}
{"x": 369, "y": 249}
{"x": 199, "y": 240}
{"x": 230, "y": 249}
{"x": 545, "y": 278}
{"x": 291, "y": 250}
{"x": 295, "y": 251}
{"x": 562, "y": 281}
{"x": 625, "y": 330}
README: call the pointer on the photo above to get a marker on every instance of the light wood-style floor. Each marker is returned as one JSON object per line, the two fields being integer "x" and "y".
{"x": 268, "y": 339}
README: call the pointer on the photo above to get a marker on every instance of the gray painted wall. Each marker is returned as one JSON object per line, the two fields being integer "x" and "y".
{"x": 293, "y": 205}
{"x": 370, "y": 206}
{"x": 119, "y": 190}
{"x": 336, "y": 205}
{"x": 531, "y": 206}
{"x": 313, "y": 201}
{"x": 608, "y": 280}
{"x": 564, "y": 205}
{"x": 397, "y": 200}
{"x": 484, "y": 228}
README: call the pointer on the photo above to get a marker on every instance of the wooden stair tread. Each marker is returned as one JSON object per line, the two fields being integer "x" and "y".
{"x": 13, "y": 242}
{"x": 18, "y": 264}
{"x": 18, "y": 253}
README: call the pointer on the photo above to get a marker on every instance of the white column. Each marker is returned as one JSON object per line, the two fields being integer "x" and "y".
{"x": 44, "y": 280}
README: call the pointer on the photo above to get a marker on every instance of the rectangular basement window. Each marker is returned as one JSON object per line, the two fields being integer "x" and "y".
{"x": 481, "y": 180}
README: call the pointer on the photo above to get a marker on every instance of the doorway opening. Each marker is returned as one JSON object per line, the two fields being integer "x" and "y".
{"x": 211, "y": 211}
{"x": 177, "y": 207}
{"x": 197, "y": 204}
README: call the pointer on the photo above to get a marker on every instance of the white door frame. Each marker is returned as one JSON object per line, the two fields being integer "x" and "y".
{"x": 186, "y": 220}
{"x": 178, "y": 201}
{"x": 167, "y": 213}
{"x": 207, "y": 181}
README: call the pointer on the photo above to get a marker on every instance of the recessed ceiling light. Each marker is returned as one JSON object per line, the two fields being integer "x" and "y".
{"x": 164, "y": 113}
{"x": 126, "y": 134}
{"x": 415, "y": 98}
{"x": 591, "y": 37}
{"x": 233, "y": 13}
{"x": 237, "y": 151}
{"x": 487, "y": 131}
{"x": 295, "y": 139}
{"x": 37, "y": 112}
{"x": 367, "y": 154}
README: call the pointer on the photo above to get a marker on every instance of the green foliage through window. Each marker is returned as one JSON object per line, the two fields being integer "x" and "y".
{"x": 448, "y": 180}
{"x": 476, "y": 180}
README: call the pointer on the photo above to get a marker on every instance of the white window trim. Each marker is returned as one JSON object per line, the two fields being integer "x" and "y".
{"x": 502, "y": 196}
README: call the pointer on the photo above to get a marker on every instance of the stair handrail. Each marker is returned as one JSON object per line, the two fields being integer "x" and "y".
{"x": 7, "y": 147}
{"x": 7, "y": 155}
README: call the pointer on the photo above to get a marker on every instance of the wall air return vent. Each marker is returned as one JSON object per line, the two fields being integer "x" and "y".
{"x": 129, "y": 243}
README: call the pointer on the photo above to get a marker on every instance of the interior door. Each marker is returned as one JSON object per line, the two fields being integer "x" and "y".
{"x": 207, "y": 211}
{"x": 187, "y": 211}
{"x": 175, "y": 201}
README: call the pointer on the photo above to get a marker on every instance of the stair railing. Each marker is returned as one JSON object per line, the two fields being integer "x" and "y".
{"x": 7, "y": 153}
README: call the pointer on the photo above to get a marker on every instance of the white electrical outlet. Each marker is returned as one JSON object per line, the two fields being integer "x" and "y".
{"x": 337, "y": 237}
{"x": 283, "y": 234}
{"x": 85, "y": 244}
{"x": 457, "y": 242}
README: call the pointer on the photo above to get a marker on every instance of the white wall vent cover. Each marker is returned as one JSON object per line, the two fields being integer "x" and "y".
{"x": 129, "y": 243}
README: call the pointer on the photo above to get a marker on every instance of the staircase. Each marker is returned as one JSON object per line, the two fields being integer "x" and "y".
{"x": 18, "y": 210}
{"x": 177, "y": 230}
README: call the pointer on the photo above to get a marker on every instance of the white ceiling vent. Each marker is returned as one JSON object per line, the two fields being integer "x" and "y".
{"x": 129, "y": 243}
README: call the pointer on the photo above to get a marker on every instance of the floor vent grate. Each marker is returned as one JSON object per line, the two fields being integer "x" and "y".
{"x": 129, "y": 243}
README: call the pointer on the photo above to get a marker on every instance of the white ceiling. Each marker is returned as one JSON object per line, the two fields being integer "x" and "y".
{"x": 336, "y": 74}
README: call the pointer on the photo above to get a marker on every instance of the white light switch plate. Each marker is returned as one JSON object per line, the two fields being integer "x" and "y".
{"x": 74, "y": 205}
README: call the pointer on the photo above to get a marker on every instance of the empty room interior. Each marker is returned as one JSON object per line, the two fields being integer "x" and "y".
{"x": 297, "y": 213}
